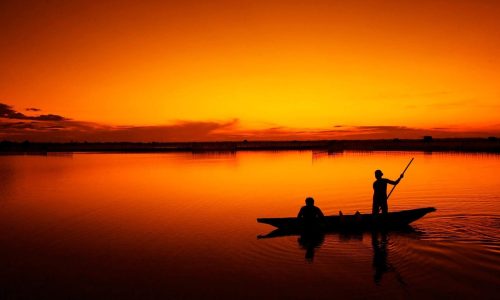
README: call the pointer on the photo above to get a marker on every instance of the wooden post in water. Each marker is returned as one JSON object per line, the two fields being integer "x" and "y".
{"x": 400, "y": 177}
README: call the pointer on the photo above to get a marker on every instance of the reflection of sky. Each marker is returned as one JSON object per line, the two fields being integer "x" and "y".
{"x": 7, "y": 177}
{"x": 171, "y": 222}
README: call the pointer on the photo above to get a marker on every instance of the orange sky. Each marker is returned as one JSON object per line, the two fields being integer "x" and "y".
{"x": 205, "y": 70}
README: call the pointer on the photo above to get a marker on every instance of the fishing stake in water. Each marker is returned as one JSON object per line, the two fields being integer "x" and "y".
{"x": 400, "y": 177}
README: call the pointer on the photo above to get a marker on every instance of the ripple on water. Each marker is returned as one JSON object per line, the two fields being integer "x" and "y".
{"x": 481, "y": 229}
{"x": 461, "y": 268}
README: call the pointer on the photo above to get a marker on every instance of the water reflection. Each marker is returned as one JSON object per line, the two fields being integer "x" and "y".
{"x": 380, "y": 264}
{"x": 380, "y": 241}
{"x": 310, "y": 241}
{"x": 182, "y": 225}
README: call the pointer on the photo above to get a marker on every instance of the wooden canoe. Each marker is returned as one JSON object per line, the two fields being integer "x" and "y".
{"x": 392, "y": 220}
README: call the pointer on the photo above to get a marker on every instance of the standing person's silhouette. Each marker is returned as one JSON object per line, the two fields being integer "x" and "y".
{"x": 380, "y": 192}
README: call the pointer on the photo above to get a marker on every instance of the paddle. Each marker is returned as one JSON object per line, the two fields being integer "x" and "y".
{"x": 400, "y": 177}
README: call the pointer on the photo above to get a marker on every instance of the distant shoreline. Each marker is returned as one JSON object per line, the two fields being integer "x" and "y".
{"x": 428, "y": 144}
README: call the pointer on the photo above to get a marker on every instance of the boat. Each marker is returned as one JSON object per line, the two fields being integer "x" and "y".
{"x": 356, "y": 222}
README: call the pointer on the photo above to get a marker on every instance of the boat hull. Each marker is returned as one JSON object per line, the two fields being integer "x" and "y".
{"x": 392, "y": 220}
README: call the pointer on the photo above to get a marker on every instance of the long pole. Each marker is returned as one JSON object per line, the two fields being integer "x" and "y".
{"x": 400, "y": 177}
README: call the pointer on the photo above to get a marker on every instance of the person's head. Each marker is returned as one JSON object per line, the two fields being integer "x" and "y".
{"x": 378, "y": 174}
{"x": 309, "y": 201}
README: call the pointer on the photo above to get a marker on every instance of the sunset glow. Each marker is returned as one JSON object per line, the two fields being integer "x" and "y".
{"x": 228, "y": 70}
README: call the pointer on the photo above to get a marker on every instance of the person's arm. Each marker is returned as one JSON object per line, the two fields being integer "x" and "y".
{"x": 394, "y": 182}
{"x": 321, "y": 217}
{"x": 301, "y": 213}
{"x": 320, "y": 214}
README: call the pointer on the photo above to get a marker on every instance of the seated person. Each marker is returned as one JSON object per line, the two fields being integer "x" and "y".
{"x": 309, "y": 214}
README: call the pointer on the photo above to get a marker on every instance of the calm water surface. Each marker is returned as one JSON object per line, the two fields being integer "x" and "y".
{"x": 184, "y": 226}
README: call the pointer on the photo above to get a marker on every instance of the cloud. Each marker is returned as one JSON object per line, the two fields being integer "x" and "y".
{"x": 360, "y": 133}
{"x": 32, "y": 109}
{"x": 16, "y": 126}
{"x": 179, "y": 131}
{"x": 7, "y": 112}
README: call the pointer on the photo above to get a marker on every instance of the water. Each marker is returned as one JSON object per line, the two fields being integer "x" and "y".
{"x": 184, "y": 225}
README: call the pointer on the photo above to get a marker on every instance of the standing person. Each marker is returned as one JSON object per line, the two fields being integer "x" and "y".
{"x": 380, "y": 192}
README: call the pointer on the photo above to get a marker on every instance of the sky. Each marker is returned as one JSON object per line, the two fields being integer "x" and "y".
{"x": 258, "y": 70}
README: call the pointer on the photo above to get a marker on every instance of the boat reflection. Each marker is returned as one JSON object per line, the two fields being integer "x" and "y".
{"x": 380, "y": 241}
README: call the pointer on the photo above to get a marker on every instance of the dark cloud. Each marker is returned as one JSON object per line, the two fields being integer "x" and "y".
{"x": 49, "y": 117}
{"x": 16, "y": 126}
{"x": 32, "y": 109}
{"x": 185, "y": 131}
{"x": 404, "y": 132}
{"x": 68, "y": 130}
{"x": 359, "y": 133}
{"x": 7, "y": 112}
